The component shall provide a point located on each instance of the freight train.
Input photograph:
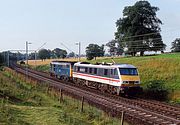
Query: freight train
(120, 79)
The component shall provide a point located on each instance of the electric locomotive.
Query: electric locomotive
(120, 79)
(62, 70)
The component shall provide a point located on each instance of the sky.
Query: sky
(60, 23)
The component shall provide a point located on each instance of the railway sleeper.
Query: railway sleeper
(166, 122)
(141, 113)
(154, 117)
(147, 115)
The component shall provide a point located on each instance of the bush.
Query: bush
(1, 59)
(156, 90)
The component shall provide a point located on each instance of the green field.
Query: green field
(164, 68)
(29, 103)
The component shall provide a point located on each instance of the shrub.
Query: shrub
(156, 90)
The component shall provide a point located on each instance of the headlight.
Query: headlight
(136, 82)
(125, 82)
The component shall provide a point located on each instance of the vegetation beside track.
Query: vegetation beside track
(164, 68)
(30, 103)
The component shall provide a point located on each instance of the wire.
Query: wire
(67, 48)
(147, 34)
(142, 40)
(41, 46)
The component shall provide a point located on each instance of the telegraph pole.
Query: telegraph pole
(8, 58)
(26, 52)
(27, 57)
(79, 44)
(79, 51)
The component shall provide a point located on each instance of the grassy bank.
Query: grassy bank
(29, 103)
(164, 68)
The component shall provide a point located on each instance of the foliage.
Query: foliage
(165, 67)
(32, 55)
(176, 45)
(1, 59)
(42, 68)
(20, 99)
(71, 54)
(113, 49)
(137, 20)
(59, 53)
(44, 54)
(94, 50)
(156, 90)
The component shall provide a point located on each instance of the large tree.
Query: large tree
(60, 53)
(176, 45)
(139, 29)
(114, 49)
(94, 50)
(71, 54)
(44, 54)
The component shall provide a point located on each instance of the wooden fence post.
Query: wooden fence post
(82, 103)
(61, 96)
(122, 117)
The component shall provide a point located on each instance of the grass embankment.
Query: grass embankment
(29, 103)
(164, 68)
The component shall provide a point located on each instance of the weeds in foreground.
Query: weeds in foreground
(29, 102)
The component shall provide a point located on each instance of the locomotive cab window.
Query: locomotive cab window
(115, 72)
(116, 76)
(128, 71)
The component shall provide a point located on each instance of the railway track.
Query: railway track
(138, 111)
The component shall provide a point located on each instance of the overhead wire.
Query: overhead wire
(67, 48)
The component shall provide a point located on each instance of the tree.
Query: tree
(71, 54)
(139, 29)
(60, 53)
(63, 54)
(94, 50)
(31, 56)
(1, 59)
(43, 54)
(113, 49)
(176, 45)
(120, 50)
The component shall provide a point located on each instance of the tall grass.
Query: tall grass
(164, 67)
(25, 101)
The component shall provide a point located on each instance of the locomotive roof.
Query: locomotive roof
(106, 66)
(65, 62)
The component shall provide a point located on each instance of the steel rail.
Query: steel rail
(114, 105)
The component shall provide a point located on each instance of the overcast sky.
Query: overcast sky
(71, 21)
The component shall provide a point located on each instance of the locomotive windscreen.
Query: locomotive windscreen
(128, 71)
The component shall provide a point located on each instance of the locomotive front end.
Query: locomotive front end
(130, 80)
